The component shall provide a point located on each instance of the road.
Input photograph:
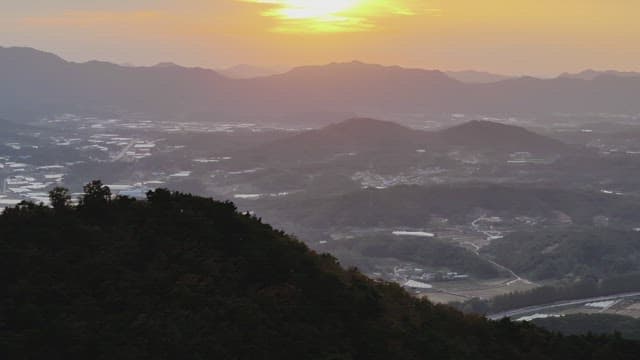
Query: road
(492, 235)
(122, 153)
(559, 304)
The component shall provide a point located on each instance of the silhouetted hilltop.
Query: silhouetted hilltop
(350, 136)
(363, 135)
(364, 132)
(25, 56)
(41, 83)
(179, 276)
(353, 86)
(483, 135)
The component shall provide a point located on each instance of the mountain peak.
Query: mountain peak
(29, 55)
(353, 135)
(483, 134)
(363, 123)
(371, 131)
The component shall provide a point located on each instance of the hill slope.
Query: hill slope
(363, 135)
(574, 253)
(488, 135)
(41, 83)
(579, 324)
(460, 203)
(190, 278)
(353, 135)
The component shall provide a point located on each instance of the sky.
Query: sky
(516, 37)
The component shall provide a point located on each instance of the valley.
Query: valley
(322, 180)
(420, 208)
(460, 206)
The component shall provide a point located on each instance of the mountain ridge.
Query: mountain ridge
(476, 77)
(246, 71)
(591, 74)
(44, 84)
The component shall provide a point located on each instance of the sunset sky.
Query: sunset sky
(542, 37)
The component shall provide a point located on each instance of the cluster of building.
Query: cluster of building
(25, 182)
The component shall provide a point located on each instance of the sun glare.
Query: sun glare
(325, 10)
(328, 16)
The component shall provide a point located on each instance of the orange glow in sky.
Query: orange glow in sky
(533, 37)
(331, 16)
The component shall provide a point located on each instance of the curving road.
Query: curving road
(559, 304)
(492, 234)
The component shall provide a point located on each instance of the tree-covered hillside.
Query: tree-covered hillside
(578, 324)
(579, 252)
(460, 203)
(435, 254)
(183, 277)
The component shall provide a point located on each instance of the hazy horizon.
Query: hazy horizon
(320, 179)
(281, 68)
(538, 38)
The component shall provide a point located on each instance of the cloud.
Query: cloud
(334, 16)
(140, 22)
(80, 19)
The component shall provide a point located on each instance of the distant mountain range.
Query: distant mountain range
(244, 71)
(36, 83)
(594, 74)
(476, 77)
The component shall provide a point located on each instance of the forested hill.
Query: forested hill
(183, 277)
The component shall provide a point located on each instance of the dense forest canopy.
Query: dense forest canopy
(549, 294)
(184, 277)
(579, 252)
(577, 324)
